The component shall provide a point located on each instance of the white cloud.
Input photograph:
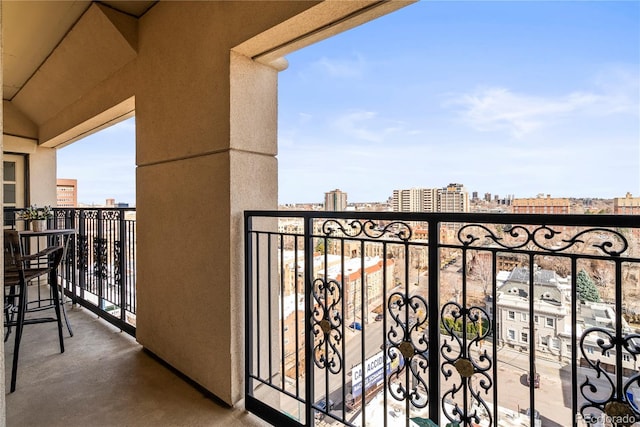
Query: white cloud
(358, 125)
(304, 117)
(500, 109)
(368, 126)
(342, 68)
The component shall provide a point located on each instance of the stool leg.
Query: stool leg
(22, 308)
(66, 319)
(9, 312)
(56, 306)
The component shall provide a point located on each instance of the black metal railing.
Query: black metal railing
(387, 319)
(99, 270)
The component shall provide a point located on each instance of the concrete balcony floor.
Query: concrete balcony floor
(104, 378)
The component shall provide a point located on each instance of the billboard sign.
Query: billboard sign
(374, 372)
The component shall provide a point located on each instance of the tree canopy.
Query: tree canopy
(587, 290)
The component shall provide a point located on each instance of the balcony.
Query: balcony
(104, 378)
(99, 269)
(376, 283)
(339, 315)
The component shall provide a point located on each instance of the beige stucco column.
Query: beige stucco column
(206, 145)
(3, 407)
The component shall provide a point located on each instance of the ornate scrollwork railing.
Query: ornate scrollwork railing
(611, 243)
(326, 322)
(368, 228)
(407, 341)
(466, 358)
(602, 393)
(441, 356)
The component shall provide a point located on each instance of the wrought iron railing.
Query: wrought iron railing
(99, 270)
(386, 319)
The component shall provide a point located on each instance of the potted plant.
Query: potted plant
(37, 216)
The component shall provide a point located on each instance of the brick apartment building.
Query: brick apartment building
(542, 205)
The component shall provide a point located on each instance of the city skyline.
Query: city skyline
(508, 98)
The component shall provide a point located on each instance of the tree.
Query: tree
(587, 290)
(602, 274)
(482, 267)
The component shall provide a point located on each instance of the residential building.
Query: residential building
(551, 307)
(627, 205)
(552, 319)
(361, 275)
(542, 205)
(452, 198)
(67, 193)
(600, 315)
(414, 200)
(335, 201)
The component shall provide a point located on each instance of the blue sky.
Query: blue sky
(505, 97)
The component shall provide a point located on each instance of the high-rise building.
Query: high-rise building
(335, 200)
(67, 193)
(542, 205)
(415, 200)
(453, 198)
(627, 205)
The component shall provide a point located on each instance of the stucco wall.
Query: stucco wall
(199, 76)
(206, 145)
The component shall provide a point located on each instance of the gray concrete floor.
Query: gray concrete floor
(104, 378)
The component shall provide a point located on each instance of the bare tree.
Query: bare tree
(602, 273)
(481, 268)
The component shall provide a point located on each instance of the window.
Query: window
(551, 322)
(524, 317)
(589, 349)
(626, 357)
(511, 315)
(524, 337)
(511, 334)
(535, 318)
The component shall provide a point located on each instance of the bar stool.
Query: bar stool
(19, 270)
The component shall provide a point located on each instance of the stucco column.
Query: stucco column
(3, 417)
(206, 144)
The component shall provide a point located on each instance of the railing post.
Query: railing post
(434, 319)
(248, 299)
(71, 269)
(308, 336)
(122, 263)
(99, 256)
(82, 251)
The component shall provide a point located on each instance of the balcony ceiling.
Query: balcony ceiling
(32, 29)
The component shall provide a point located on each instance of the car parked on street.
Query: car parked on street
(323, 405)
(356, 326)
(536, 380)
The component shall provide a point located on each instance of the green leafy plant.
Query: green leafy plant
(33, 212)
(587, 290)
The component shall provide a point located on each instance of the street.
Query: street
(552, 398)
